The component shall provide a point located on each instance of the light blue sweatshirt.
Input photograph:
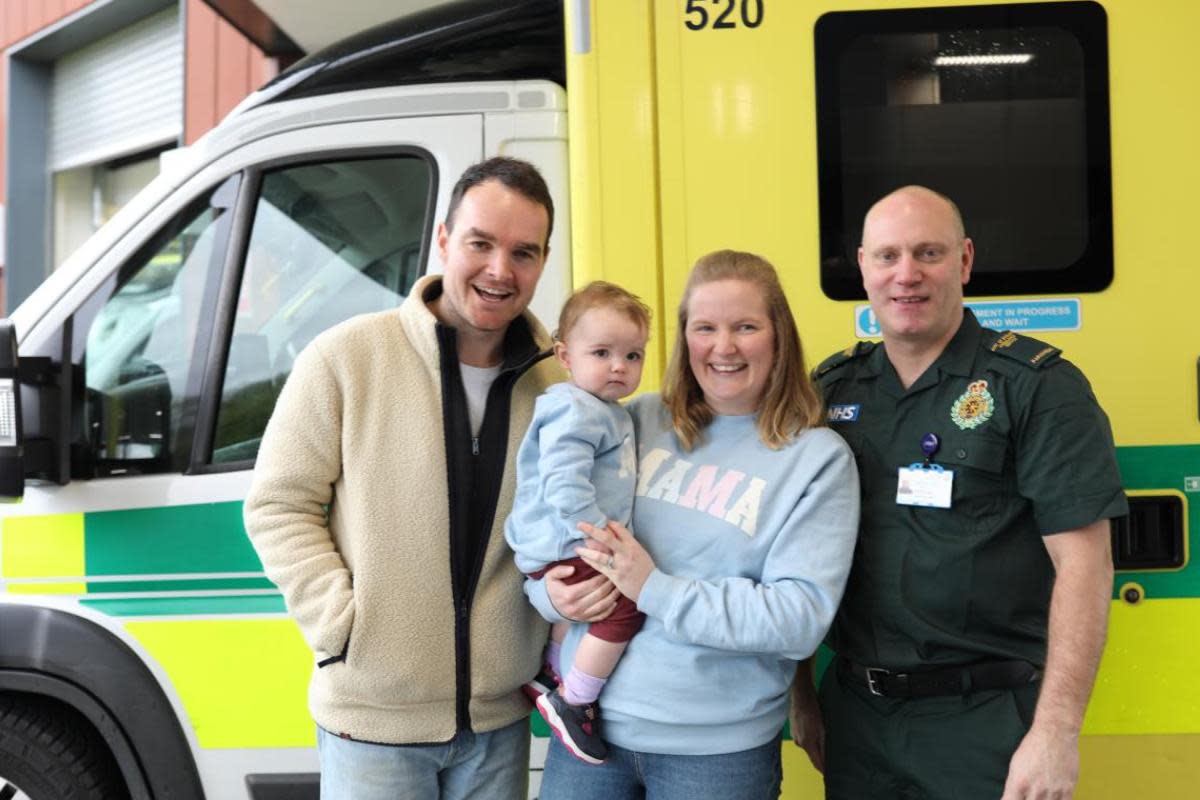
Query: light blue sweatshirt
(576, 464)
(752, 547)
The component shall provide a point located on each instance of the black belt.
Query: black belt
(951, 681)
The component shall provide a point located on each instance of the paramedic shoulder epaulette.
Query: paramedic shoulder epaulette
(1025, 350)
(849, 354)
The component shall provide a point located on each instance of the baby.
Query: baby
(578, 464)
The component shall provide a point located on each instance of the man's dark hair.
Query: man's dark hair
(520, 176)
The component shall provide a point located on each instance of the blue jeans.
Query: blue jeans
(471, 766)
(754, 774)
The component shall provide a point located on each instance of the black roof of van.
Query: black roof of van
(467, 40)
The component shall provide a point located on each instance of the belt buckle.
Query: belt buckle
(875, 676)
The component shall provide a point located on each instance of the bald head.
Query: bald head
(917, 195)
(915, 261)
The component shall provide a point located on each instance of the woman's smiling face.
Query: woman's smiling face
(731, 344)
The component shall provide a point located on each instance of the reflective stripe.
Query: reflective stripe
(46, 588)
(207, 604)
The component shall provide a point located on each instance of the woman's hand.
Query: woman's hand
(808, 727)
(626, 564)
(587, 601)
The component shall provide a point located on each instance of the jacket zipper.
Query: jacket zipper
(464, 603)
(463, 626)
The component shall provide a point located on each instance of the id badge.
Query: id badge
(929, 486)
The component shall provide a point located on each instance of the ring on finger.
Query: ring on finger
(611, 564)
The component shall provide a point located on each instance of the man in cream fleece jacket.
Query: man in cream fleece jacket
(378, 507)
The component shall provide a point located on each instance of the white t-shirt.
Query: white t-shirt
(477, 381)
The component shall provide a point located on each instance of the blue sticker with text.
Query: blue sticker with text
(1028, 315)
(1020, 316)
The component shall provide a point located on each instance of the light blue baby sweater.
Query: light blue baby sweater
(752, 547)
(576, 464)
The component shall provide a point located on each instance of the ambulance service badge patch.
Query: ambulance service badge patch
(974, 407)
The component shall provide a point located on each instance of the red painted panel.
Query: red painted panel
(20, 18)
(3, 167)
(57, 8)
(200, 88)
(262, 68)
(233, 68)
(15, 10)
(7, 24)
(35, 16)
(221, 68)
(3, 130)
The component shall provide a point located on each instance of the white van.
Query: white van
(138, 626)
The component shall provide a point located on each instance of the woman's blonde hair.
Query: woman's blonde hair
(790, 403)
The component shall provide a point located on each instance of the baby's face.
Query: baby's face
(604, 353)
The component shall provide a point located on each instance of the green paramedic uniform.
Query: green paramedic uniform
(934, 590)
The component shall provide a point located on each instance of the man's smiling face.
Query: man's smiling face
(914, 261)
(492, 257)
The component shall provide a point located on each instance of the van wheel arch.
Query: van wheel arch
(48, 750)
(56, 654)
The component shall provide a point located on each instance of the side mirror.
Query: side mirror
(12, 442)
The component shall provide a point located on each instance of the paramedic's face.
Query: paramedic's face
(915, 262)
(492, 257)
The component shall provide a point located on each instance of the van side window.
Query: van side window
(141, 344)
(328, 241)
(1003, 108)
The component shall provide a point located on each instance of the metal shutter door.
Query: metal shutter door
(118, 95)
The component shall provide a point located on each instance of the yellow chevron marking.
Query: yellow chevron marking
(244, 683)
(42, 546)
(1147, 679)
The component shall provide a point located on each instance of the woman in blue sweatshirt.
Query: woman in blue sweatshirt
(746, 512)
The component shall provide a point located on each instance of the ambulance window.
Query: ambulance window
(328, 241)
(1002, 108)
(138, 335)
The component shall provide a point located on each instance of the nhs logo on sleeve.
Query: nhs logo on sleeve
(843, 413)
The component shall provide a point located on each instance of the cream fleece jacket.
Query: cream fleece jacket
(358, 430)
